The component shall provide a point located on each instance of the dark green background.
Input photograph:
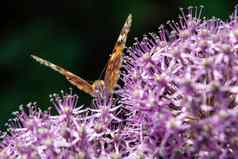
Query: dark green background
(76, 34)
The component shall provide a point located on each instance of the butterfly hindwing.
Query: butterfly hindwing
(114, 63)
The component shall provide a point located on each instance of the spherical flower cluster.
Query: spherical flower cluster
(180, 87)
(178, 101)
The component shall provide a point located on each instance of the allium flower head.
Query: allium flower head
(178, 101)
(178, 82)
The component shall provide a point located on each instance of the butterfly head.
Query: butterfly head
(98, 87)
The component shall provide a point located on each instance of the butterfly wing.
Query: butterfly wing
(114, 63)
(72, 78)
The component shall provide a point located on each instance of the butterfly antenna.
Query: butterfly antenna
(103, 70)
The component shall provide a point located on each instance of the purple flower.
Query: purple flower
(177, 83)
(75, 132)
(179, 100)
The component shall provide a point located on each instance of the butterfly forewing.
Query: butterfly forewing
(72, 78)
(114, 63)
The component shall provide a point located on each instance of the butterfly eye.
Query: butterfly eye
(99, 86)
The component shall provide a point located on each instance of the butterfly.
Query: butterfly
(112, 72)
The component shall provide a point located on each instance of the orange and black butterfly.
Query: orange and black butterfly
(112, 73)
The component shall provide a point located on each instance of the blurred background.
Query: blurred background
(76, 34)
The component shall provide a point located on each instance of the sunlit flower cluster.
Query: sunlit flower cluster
(178, 100)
